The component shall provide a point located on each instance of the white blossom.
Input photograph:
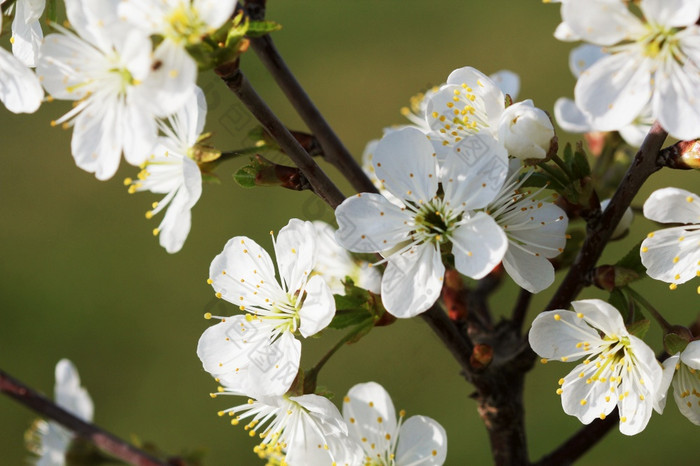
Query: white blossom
(120, 87)
(653, 61)
(256, 353)
(619, 369)
(685, 367)
(54, 439)
(297, 430)
(171, 170)
(334, 263)
(672, 255)
(526, 131)
(411, 236)
(371, 418)
(572, 119)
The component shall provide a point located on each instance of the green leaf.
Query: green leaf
(245, 177)
(674, 343)
(633, 261)
(261, 28)
(639, 328)
(568, 155)
(348, 318)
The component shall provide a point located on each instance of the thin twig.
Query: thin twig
(457, 343)
(322, 185)
(334, 150)
(101, 438)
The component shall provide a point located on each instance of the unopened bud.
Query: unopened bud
(691, 153)
(609, 277)
(526, 131)
(624, 223)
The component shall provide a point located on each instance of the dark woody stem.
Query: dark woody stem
(645, 163)
(321, 184)
(333, 149)
(100, 438)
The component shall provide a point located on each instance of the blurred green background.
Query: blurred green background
(82, 277)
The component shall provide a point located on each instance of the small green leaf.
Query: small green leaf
(245, 177)
(674, 343)
(348, 318)
(260, 28)
(633, 260)
(639, 328)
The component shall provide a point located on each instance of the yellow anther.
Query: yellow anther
(672, 286)
(557, 317)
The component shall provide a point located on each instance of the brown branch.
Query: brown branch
(645, 163)
(334, 150)
(321, 184)
(456, 342)
(92, 433)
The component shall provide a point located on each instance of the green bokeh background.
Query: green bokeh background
(81, 276)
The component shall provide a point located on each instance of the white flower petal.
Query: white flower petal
(672, 255)
(669, 369)
(675, 102)
(245, 358)
(508, 82)
(582, 57)
(295, 249)
(601, 315)
(239, 268)
(602, 22)
(26, 31)
(97, 138)
(585, 398)
(672, 205)
(370, 414)
(412, 281)
(560, 334)
(534, 273)
(474, 172)
(214, 12)
(570, 118)
(370, 223)
(614, 90)
(487, 90)
(405, 163)
(674, 13)
(691, 355)
(20, 90)
(478, 245)
(422, 441)
(564, 33)
(318, 308)
(68, 392)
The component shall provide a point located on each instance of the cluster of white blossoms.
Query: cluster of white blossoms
(51, 441)
(648, 68)
(257, 354)
(451, 186)
(129, 97)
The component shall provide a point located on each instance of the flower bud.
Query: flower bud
(625, 221)
(526, 131)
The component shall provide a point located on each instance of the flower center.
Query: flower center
(185, 24)
(661, 42)
(434, 223)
